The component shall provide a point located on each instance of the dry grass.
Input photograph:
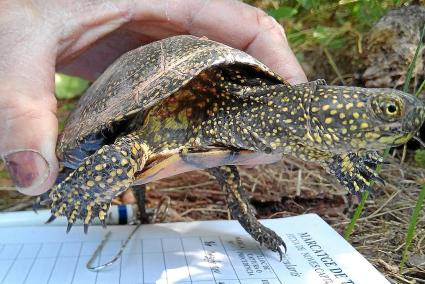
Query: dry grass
(292, 187)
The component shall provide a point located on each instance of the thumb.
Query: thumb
(28, 124)
(28, 135)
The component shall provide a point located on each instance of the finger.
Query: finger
(28, 127)
(27, 136)
(125, 24)
(253, 31)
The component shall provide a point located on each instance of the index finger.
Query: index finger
(228, 21)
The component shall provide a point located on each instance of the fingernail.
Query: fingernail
(27, 169)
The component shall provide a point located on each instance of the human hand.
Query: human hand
(82, 38)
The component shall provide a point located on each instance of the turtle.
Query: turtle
(186, 103)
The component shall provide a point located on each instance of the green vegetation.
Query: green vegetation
(412, 226)
(334, 28)
(330, 24)
(420, 201)
(67, 87)
(419, 157)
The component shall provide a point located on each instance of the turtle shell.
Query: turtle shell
(143, 77)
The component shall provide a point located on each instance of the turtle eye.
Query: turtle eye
(388, 109)
(391, 109)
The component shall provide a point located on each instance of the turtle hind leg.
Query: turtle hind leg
(240, 209)
(87, 192)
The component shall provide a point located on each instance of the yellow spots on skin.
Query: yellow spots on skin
(137, 146)
(360, 104)
(98, 167)
(371, 135)
(364, 125)
(119, 171)
(309, 137)
(333, 112)
(327, 137)
(130, 173)
(317, 137)
(124, 162)
(347, 165)
(356, 186)
(339, 106)
(98, 178)
(61, 209)
(80, 169)
(344, 130)
(353, 127)
(325, 107)
(102, 215)
(342, 115)
(88, 217)
(349, 105)
(358, 143)
(90, 183)
(328, 120)
(356, 115)
(315, 109)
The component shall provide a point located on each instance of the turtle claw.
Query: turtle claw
(281, 253)
(376, 178)
(355, 171)
(41, 200)
(44, 202)
(35, 206)
(103, 222)
(51, 219)
(68, 228)
(86, 228)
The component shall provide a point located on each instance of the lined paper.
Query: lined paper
(195, 252)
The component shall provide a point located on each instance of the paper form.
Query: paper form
(201, 252)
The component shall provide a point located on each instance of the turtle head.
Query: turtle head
(353, 119)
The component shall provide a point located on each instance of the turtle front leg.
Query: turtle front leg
(355, 171)
(240, 209)
(87, 192)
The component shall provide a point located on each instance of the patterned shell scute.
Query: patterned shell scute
(142, 77)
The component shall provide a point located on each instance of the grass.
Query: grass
(323, 23)
(416, 212)
(329, 26)
(412, 227)
(334, 28)
(420, 201)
